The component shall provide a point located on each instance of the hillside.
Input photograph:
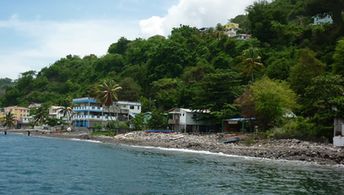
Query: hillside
(206, 69)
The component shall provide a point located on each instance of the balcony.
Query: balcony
(93, 117)
(87, 108)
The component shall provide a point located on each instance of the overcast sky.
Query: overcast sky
(36, 33)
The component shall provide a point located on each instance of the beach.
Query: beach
(283, 149)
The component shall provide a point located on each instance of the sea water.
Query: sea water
(36, 165)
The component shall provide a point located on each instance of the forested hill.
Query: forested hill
(4, 83)
(206, 69)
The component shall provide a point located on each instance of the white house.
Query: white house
(187, 120)
(322, 19)
(132, 108)
(55, 112)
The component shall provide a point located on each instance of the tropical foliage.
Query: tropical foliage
(206, 69)
(9, 120)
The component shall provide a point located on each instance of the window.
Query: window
(131, 107)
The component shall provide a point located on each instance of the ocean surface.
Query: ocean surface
(36, 165)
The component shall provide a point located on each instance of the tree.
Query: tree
(138, 122)
(324, 101)
(216, 92)
(338, 58)
(307, 68)
(251, 62)
(271, 101)
(107, 92)
(279, 63)
(67, 113)
(260, 19)
(120, 47)
(158, 120)
(40, 115)
(243, 22)
(167, 92)
(131, 91)
(9, 120)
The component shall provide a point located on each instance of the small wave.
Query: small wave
(297, 162)
(85, 140)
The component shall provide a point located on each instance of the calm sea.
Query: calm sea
(34, 165)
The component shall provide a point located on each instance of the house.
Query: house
(89, 113)
(187, 120)
(321, 19)
(34, 105)
(55, 112)
(231, 29)
(127, 109)
(243, 36)
(21, 115)
(238, 124)
(338, 138)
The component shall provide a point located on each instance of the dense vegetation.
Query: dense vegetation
(4, 83)
(289, 65)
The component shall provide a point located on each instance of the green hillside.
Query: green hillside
(289, 64)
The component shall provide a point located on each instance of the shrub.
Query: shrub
(299, 128)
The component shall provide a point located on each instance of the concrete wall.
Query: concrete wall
(338, 141)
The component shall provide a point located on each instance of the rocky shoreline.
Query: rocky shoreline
(287, 149)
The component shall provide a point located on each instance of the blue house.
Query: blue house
(89, 113)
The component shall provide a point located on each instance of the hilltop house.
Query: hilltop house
(89, 113)
(187, 120)
(321, 19)
(231, 29)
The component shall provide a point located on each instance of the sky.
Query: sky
(36, 33)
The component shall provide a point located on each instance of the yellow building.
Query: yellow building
(19, 113)
(231, 29)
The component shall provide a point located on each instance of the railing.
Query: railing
(88, 108)
(93, 117)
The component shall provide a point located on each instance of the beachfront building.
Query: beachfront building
(127, 110)
(21, 115)
(338, 138)
(187, 120)
(89, 113)
(322, 19)
(55, 112)
(238, 124)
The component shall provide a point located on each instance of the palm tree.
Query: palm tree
(251, 62)
(40, 115)
(9, 120)
(68, 113)
(106, 93)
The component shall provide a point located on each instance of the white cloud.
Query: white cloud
(51, 40)
(198, 13)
